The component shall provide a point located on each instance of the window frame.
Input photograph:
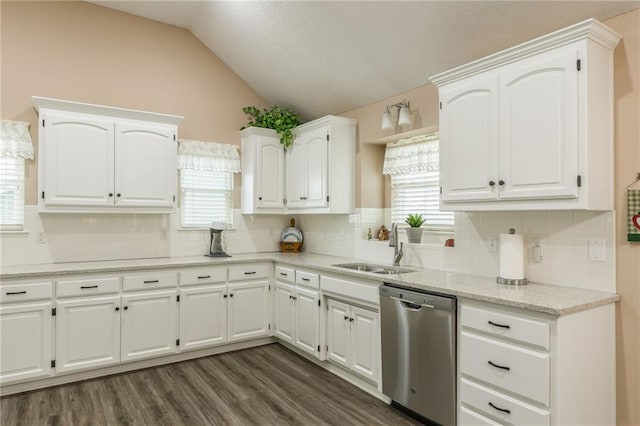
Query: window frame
(229, 192)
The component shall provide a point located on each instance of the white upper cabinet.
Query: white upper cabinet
(531, 127)
(102, 159)
(315, 175)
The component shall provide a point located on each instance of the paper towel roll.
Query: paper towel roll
(511, 256)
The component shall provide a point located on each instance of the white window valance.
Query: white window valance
(412, 155)
(15, 140)
(209, 156)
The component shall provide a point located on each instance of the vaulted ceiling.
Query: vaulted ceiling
(321, 57)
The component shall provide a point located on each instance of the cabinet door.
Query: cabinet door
(248, 310)
(307, 321)
(87, 333)
(469, 140)
(365, 348)
(146, 166)
(296, 174)
(77, 160)
(316, 147)
(149, 324)
(270, 174)
(539, 127)
(338, 332)
(284, 311)
(25, 341)
(203, 316)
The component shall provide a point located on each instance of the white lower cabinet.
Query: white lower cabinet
(25, 341)
(353, 338)
(248, 310)
(297, 317)
(87, 333)
(149, 324)
(203, 316)
(284, 312)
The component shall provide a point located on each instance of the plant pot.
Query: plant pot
(414, 235)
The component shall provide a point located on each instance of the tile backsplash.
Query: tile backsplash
(563, 235)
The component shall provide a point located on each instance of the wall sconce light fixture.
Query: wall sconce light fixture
(404, 117)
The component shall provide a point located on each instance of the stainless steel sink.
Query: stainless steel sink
(376, 269)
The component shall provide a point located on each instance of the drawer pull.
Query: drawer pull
(499, 325)
(502, 367)
(305, 279)
(83, 287)
(250, 273)
(283, 274)
(151, 281)
(504, 410)
(11, 293)
(202, 277)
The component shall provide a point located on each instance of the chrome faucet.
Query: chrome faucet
(393, 242)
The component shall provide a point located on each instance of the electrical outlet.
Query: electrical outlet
(492, 244)
(164, 233)
(41, 238)
(536, 251)
(597, 251)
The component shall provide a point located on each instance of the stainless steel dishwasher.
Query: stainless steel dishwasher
(419, 352)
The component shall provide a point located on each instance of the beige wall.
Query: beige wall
(82, 52)
(627, 164)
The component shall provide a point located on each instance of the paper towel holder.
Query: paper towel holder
(511, 281)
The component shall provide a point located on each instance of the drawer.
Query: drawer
(496, 404)
(149, 281)
(362, 291)
(471, 418)
(308, 279)
(249, 272)
(87, 286)
(285, 274)
(26, 292)
(207, 275)
(513, 368)
(508, 325)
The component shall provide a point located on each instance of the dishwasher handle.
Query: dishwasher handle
(410, 305)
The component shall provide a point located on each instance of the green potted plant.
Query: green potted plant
(414, 232)
(282, 120)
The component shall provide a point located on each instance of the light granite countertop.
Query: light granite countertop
(545, 298)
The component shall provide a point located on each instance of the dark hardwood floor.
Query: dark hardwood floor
(268, 385)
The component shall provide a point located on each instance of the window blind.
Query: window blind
(206, 196)
(12, 194)
(419, 193)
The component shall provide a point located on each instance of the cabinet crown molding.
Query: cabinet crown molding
(590, 29)
(132, 114)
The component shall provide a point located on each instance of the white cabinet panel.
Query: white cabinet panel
(269, 174)
(87, 333)
(248, 310)
(203, 316)
(307, 321)
(338, 333)
(474, 144)
(25, 341)
(79, 165)
(539, 127)
(284, 311)
(365, 348)
(297, 174)
(149, 326)
(317, 148)
(146, 166)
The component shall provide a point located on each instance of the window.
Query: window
(11, 194)
(206, 196)
(413, 165)
(206, 183)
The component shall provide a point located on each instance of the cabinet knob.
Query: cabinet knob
(126, 308)
(346, 318)
(231, 295)
(118, 194)
(111, 194)
(350, 319)
(500, 182)
(260, 198)
(492, 183)
(117, 308)
(303, 198)
(225, 296)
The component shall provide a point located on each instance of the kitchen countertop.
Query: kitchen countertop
(549, 299)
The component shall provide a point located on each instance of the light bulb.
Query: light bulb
(404, 117)
(387, 123)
